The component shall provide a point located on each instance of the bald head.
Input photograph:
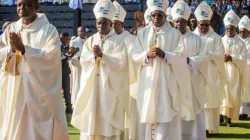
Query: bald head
(81, 32)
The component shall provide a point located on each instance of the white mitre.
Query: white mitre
(104, 9)
(180, 10)
(231, 19)
(120, 13)
(169, 15)
(203, 12)
(160, 5)
(147, 16)
(244, 23)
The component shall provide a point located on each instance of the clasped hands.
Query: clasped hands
(227, 58)
(97, 51)
(156, 51)
(16, 42)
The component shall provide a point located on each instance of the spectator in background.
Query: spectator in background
(245, 8)
(215, 20)
(221, 8)
(139, 16)
(192, 7)
(228, 5)
(237, 7)
(192, 23)
(66, 56)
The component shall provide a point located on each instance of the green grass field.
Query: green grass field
(239, 131)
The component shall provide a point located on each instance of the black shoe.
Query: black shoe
(244, 116)
(69, 110)
(229, 124)
(208, 135)
(241, 117)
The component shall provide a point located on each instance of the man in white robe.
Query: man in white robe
(244, 27)
(75, 65)
(31, 106)
(193, 123)
(215, 71)
(132, 116)
(235, 63)
(155, 54)
(103, 97)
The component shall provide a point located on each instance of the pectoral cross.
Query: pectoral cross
(229, 48)
(153, 46)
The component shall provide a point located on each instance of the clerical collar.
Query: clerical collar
(231, 40)
(103, 37)
(29, 25)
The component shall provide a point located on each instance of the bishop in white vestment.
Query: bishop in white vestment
(132, 116)
(235, 64)
(193, 122)
(155, 54)
(215, 71)
(31, 106)
(244, 27)
(104, 93)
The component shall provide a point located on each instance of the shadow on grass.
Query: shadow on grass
(74, 134)
(230, 136)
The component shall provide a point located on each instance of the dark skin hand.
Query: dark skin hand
(16, 42)
(228, 58)
(188, 60)
(97, 51)
(156, 51)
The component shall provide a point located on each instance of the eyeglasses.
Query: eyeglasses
(205, 25)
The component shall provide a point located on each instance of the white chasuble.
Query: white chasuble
(104, 93)
(162, 85)
(215, 71)
(236, 75)
(193, 123)
(246, 87)
(245, 107)
(196, 52)
(132, 117)
(31, 105)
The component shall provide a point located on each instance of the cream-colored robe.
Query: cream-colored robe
(159, 97)
(246, 88)
(215, 78)
(31, 105)
(236, 76)
(133, 116)
(76, 68)
(197, 54)
(193, 125)
(215, 69)
(104, 93)
(245, 107)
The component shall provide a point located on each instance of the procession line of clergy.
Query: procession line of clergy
(165, 83)
(180, 82)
